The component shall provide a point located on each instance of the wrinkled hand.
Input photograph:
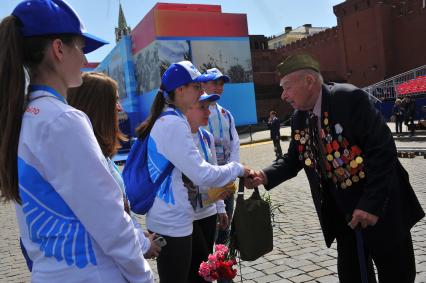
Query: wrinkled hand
(223, 221)
(155, 249)
(255, 179)
(364, 218)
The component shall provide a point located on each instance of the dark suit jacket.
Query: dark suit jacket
(398, 111)
(274, 127)
(410, 109)
(385, 190)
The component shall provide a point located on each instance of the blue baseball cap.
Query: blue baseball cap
(217, 74)
(182, 73)
(53, 17)
(209, 97)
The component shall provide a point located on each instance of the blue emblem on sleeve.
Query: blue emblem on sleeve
(51, 223)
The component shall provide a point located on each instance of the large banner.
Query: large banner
(230, 55)
(171, 33)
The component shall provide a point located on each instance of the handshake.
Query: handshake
(253, 178)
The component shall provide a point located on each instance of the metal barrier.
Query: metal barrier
(386, 89)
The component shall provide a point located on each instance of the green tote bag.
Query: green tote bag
(251, 231)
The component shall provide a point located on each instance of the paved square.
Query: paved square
(299, 254)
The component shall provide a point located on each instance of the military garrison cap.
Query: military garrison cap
(297, 62)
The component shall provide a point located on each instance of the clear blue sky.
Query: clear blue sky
(266, 17)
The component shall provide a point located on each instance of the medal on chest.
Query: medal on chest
(303, 146)
(344, 162)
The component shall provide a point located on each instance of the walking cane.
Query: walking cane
(360, 250)
(361, 255)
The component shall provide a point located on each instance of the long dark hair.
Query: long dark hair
(157, 107)
(16, 54)
(97, 97)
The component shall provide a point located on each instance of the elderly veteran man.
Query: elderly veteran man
(356, 179)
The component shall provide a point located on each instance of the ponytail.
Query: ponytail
(157, 107)
(16, 54)
(12, 98)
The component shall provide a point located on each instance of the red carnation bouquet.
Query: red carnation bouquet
(219, 265)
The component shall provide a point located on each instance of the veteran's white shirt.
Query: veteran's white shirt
(171, 140)
(72, 220)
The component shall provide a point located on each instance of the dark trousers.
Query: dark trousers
(277, 147)
(174, 260)
(398, 126)
(223, 235)
(202, 245)
(409, 121)
(392, 253)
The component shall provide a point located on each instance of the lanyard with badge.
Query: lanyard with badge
(203, 146)
(180, 114)
(206, 157)
(54, 93)
(220, 125)
(221, 152)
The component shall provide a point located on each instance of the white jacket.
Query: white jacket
(72, 220)
(205, 211)
(171, 140)
(222, 127)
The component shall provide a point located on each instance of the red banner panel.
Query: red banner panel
(187, 20)
(200, 24)
(144, 33)
(91, 65)
(188, 7)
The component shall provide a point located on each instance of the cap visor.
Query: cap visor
(209, 97)
(226, 79)
(204, 78)
(92, 43)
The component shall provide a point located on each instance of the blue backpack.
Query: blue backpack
(140, 189)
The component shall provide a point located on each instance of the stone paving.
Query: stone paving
(299, 254)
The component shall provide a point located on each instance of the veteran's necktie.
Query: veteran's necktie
(316, 147)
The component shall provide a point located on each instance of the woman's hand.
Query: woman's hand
(155, 249)
(223, 221)
(255, 179)
(226, 194)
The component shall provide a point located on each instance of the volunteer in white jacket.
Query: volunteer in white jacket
(206, 214)
(69, 208)
(222, 126)
(170, 139)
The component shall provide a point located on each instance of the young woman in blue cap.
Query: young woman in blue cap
(222, 126)
(207, 211)
(170, 139)
(69, 208)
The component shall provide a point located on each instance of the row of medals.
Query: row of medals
(344, 164)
